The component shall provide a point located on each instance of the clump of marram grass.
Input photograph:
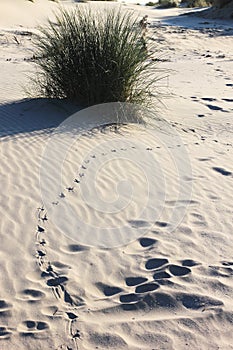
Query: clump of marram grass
(93, 58)
(199, 3)
(163, 4)
(151, 3)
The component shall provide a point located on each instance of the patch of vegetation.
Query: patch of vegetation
(151, 3)
(164, 4)
(199, 3)
(221, 3)
(93, 58)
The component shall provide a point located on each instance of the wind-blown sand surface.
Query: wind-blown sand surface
(165, 290)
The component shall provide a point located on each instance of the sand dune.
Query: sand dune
(168, 287)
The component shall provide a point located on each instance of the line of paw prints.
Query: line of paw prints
(146, 293)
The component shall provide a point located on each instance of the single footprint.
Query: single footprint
(209, 99)
(71, 316)
(204, 159)
(31, 295)
(134, 281)
(161, 224)
(74, 248)
(227, 99)
(214, 108)
(155, 263)
(222, 171)
(54, 282)
(147, 242)
(108, 290)
(179, 270)
(161, 275)
(129, 298)
(138, 223)
(189, 263)
(147, 287)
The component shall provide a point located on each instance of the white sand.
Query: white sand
(189, 269)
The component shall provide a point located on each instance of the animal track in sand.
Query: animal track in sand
(5, 308)
(209, 99)
(204, 159)
(147, 287)
(138, 223)
(161, 275)
(53, 271)
(189, 263)
(214, 108)
(227, 99)
(179, 270)
(155, 263)
(129, 298)
(74, 248)
(108, 290)
(57, 281)
(29, 327)
(31, 295)
(134, 281)
(227, 263)
(222, 171)
(147, 242)
(161, 224)
(5, 332)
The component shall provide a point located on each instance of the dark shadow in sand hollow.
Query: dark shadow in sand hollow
(40, 115)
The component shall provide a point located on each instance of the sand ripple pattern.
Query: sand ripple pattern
(120, 180)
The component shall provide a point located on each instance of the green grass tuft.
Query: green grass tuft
(93, 58)
(199, 3)
(151, 3)
(163, 4)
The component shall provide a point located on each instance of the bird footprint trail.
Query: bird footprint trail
(56, 282)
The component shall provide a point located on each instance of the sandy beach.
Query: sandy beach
(128, 245)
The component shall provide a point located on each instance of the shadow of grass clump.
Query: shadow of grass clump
(93, 58)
